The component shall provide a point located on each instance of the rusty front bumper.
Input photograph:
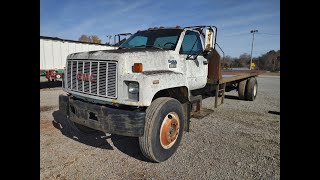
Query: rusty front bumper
(107, 119)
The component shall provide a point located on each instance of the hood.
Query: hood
(152, 59)
(134, 50)
(116, 54)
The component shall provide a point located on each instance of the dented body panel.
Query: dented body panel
(107, 119)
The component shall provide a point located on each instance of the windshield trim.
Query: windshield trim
(171, 33)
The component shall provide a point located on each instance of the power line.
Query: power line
(240, 34)
(270, 34)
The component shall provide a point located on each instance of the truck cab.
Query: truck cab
(144, 88)
(148, 62)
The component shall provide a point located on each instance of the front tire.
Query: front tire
(163, 129)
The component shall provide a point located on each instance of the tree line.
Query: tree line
(96, 39)
(90, 39)
(269, 61)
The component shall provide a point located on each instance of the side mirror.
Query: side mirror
(210, 39)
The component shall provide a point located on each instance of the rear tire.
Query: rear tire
(251, 89)
(241, 89)
(163, 129)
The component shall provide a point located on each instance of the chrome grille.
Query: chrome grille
(97, 78)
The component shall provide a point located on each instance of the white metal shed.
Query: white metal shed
(54, 51)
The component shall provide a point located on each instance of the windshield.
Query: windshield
(160, 38)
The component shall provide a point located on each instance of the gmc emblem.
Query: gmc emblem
(86, 77)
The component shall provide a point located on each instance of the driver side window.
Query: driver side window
(191, 43)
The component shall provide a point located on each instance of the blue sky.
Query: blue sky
(69, 19)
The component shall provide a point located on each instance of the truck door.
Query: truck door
(197, 69)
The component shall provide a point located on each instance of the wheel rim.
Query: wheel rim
(255, 90)
(169, 130)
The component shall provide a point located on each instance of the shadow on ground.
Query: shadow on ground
(98, 139)
(47, 84)
(231, 97)
(274, 112)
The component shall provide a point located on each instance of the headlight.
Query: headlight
(133, 91)
(133, 87)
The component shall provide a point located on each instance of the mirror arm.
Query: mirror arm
(206, 52)
(198, 54)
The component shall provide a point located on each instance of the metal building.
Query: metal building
(54, 51)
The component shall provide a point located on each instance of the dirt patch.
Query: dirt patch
(46, 125)
(46, 108)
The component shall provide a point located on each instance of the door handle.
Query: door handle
(205, 62)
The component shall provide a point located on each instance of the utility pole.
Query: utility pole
(109, 36)
(252, 31)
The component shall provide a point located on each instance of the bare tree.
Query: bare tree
(227, 61)
(269, 61)
(90, 39)
(95, 39)
(84, 38)
(244, 59)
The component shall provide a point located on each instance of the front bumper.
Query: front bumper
(107, 119)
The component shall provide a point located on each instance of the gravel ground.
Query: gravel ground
(239, 140)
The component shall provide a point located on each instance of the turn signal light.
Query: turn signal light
(137, 67)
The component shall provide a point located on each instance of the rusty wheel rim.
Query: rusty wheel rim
(169, 130)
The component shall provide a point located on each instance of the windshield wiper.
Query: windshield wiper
(151, 46)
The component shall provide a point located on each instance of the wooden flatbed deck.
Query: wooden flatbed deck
(234, 75)
(230, 76)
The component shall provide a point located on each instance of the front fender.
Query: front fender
(151, 82)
